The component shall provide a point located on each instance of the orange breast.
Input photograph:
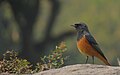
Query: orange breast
(85, 48)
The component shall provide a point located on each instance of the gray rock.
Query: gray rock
(83, 69)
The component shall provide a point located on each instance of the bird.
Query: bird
(87, 45)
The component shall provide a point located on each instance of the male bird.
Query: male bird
(87, 44)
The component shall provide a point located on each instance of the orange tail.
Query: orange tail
(103, 59)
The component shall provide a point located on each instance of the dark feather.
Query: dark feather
(94, 44)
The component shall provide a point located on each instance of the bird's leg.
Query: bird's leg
(86, 60)
(93, 59)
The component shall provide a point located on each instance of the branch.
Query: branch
(54, 12)
(1, 1)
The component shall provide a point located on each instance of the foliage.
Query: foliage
(53, 60)
(12, 64)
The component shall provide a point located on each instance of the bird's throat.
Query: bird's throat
(79, 35)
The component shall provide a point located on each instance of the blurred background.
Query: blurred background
(35, 27)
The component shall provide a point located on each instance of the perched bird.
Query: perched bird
(87, 44)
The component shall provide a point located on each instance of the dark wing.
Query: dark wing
(94, 44)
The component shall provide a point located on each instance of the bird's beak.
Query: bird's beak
(73, 25)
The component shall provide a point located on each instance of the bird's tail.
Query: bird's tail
(104, 60)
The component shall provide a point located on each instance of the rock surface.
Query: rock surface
(83, 69)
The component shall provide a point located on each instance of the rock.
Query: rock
(83, 69)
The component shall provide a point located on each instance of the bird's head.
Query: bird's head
(80, 27)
